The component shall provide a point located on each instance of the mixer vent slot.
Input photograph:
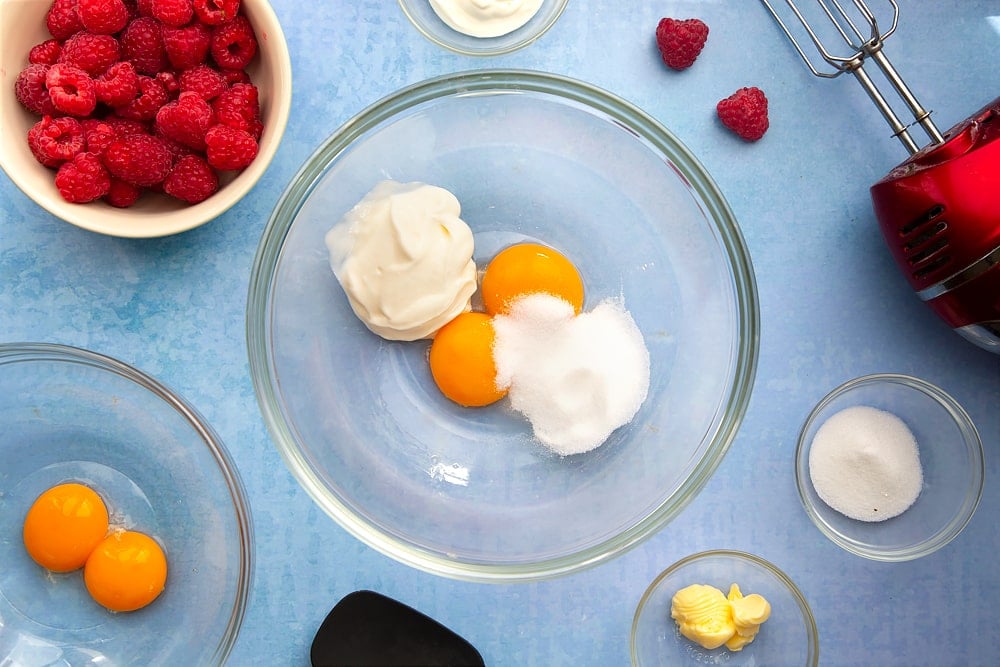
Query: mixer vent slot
(924, 242)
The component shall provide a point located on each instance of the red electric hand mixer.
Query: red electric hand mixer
(939, 210)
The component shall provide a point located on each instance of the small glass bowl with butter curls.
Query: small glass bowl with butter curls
(742, 582)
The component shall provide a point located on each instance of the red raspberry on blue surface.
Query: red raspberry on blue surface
(117, 86)
(173, 12)
(152, 95)
(83, 179)
(142, 44)
(228, 148)
(62, 19)
(139, 159)
(680, 41)
(102, 17)
(92, 53)
(71, 89)
(745, 113)
(187, 46)
(30, 90)
(46, 53)
(192, 180)
(55, 140)
(216, 12)
(233, 44)
(185, 120)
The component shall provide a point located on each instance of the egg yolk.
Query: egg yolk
(126, 571)
(64, 525)
(461, 360)
(529, 268)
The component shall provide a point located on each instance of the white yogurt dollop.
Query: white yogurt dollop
(404, 258)
(485, 18)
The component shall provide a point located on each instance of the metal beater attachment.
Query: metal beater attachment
(859, 28)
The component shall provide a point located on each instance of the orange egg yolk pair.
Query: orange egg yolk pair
(461, 355)
(67, 528)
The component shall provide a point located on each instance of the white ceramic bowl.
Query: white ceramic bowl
(73, 415)
(22, 25)
(951, 456)
(425, 19)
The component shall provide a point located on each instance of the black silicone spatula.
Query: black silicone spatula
(366, 629)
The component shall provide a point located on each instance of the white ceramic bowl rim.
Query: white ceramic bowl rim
(14, 353)
(623, 113)
(974, 448)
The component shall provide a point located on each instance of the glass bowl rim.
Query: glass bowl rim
(970, 438)
(486, 51)
(28, 352)
(480, 82)
(812, 631)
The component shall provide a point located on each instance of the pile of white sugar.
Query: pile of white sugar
(576, 378)
(865, 464)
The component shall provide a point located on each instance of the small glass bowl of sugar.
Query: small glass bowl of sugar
(889, 467)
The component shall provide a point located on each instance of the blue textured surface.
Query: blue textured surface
(833, 307)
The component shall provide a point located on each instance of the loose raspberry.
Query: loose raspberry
(83, 179)
(235, 76)
(118, 86)
(30, 90)
(204, 80)
(185, 120)
(125, 127)
(142, 44)
(173, 12)
(122, 194)
(71, 89)
(239, 107)
(745, 113)
(187, 46)
(139, 159)
(680, 41)
(97, 135)
(92, 53)
(152, 95)
(229, 148)
(102, 17)
(46, 53)
(62, 19)
(216, 12)
(55, 140)
(191, 180)
(233, 44)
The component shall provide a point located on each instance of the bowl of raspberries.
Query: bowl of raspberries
(140, 118)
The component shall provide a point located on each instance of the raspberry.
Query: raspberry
(91, 53)
(216, 12)
(97, 135)
(144, 7)
(152, 95)
(125, 127)
(228, 148)
(191, 180)
(745, 113)
(239, 107)
(55, 140)
(139, 159)
(176, 148)
(680, 41)
(235, 76)
(173, 12)
(62, 19)
(46, 53)
(118, 86)
(233, 44)
(171, 82)
(187, 46)
(83, 179)
(71, 89)
(142, 44)
(102, 17)
(185, 120)
(121, 194)
(30, 90)
(204, 80)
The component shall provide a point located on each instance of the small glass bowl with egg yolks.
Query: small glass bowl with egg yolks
(72, 416)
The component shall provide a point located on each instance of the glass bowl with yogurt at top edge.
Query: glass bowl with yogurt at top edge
(788, 637)
(951, 459)
(467, 492)
(72, 415)
(430, 25)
